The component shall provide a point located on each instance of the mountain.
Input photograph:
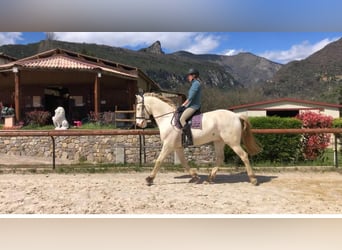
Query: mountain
(229, 80)
(318, 77)
(155, 48)
(168, 70)
(246, 68)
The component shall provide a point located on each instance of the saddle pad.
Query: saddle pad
(196, 121)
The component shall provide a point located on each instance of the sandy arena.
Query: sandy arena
(295, 192)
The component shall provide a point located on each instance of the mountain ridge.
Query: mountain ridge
(231, 80)
(216, 70)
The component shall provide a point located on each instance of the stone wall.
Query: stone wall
(100, 149)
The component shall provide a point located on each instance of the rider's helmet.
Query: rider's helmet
(193, 71)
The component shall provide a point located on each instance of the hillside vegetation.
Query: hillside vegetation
(227, 80)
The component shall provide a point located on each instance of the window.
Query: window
(283, 113)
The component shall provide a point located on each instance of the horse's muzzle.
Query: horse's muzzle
(141, 124)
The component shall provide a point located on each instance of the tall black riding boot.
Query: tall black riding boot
(186, 135)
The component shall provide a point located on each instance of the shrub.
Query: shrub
(337, 123)
(279, 148)
(313, 145)
(37, 117)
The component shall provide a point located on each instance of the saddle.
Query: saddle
(195, 120)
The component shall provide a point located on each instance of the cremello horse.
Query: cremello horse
(219, 126)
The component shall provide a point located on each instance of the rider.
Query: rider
(190, 105)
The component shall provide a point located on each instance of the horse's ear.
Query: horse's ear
(138, 97)
(141, 92)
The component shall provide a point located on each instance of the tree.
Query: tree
(50, 36)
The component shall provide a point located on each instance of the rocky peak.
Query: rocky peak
(155, 48)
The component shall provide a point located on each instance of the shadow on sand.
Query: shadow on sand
(231, 178)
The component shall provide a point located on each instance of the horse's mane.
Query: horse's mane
(162, 98)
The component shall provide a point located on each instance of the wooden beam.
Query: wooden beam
(91, 132)
(17, 96)
(97, 94)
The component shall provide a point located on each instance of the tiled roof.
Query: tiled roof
(61, 59)
(57, 62)
(66, 60)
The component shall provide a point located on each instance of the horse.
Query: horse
(219, 126)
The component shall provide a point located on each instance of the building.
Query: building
(287, 107)
(6, 58)
(78, 82)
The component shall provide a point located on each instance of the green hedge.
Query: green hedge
(337, 123)
(277, 148)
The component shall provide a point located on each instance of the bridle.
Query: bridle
(144, 110)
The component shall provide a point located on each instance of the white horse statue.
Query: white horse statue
(59, 120)
(219, 126)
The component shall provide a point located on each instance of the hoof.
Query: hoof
(211, 178)
(212, 175)
(254, 181)
(208, 182)
(149, 180)
(195, 179)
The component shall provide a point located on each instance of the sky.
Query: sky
(279, 30)
(175, 15)
(281, 47)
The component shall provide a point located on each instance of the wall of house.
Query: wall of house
(335, 113)
(251, 113)
(117, 92)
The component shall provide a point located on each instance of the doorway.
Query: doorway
(55, 97)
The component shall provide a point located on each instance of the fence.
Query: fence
(141, 133)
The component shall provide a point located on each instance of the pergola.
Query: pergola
(99, 84)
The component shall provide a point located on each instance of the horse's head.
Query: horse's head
(141, 113)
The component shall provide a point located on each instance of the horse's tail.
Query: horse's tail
(247, 136)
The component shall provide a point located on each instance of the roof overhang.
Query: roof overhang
(62, 60)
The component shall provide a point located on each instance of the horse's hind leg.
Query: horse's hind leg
(184, 162)
(244, 157)
(219, 152)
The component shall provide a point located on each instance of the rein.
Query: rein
(172, 112)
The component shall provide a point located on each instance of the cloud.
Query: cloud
(232, 52)
(203, 44)
(10, 37)
(195, 42)
(297, 51)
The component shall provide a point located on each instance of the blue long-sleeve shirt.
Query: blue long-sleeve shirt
(194, 95)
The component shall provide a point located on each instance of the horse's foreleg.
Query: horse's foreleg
(244, 157)
(184, 162)
(163, 154)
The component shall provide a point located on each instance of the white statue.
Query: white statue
(59, 120)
